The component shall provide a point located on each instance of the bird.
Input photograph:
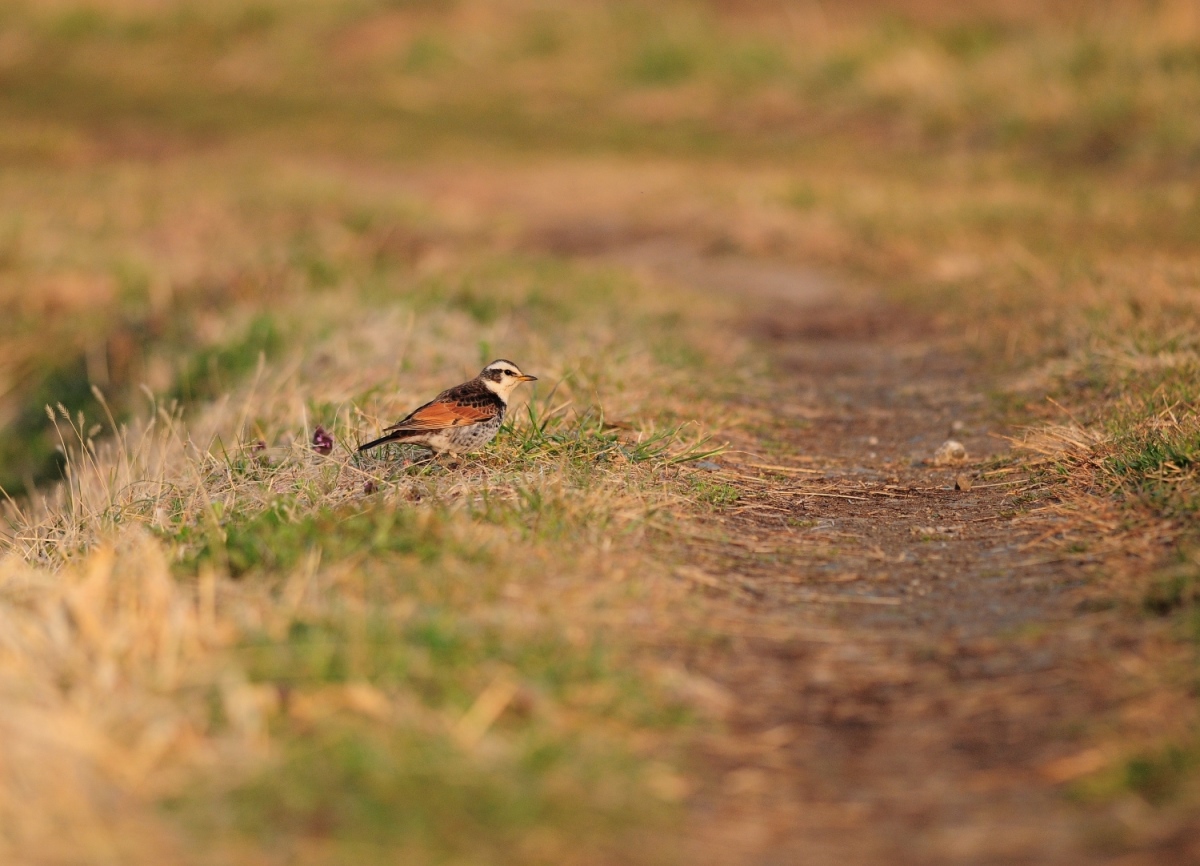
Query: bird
(460, 419)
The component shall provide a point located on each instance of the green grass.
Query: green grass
(339, 788)
(588, 438)
(1146, 453)
(1154, 446)
(1174, 587)
(214, 370)
(712, 492)
(371, 788)
(30, 453)
(1159, 777)
(660, 63)
(445, 659)
(278, 538)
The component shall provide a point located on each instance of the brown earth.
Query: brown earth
(910, 673)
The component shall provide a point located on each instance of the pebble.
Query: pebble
(962, 481)
(707, 465)
(951, 451)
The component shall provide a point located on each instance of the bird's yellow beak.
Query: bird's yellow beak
(524, 378)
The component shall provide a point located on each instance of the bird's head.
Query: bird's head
(501, 377)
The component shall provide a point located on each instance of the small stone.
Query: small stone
(951, 451)
(370, 487)
(962, 481)
(707, 466)
(872, 440)
(322, 441)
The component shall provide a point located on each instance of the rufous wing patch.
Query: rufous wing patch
(439, 416)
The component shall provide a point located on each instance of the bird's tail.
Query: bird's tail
(394, 436)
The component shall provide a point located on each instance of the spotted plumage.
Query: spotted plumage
(460, 419)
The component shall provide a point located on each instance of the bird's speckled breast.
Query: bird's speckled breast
(474, 436)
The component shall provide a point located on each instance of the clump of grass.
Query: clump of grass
(714, 493)
(1154, 457)
(1157, 452)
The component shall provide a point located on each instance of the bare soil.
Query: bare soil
(914, 673)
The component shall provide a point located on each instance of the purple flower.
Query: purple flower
(322, 441)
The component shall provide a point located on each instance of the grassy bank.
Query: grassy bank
(300, 644)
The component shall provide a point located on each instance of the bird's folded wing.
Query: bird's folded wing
(438, 416)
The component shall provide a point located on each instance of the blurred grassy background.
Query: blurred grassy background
(1061, 84)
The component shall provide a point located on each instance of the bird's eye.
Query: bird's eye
(509, 373)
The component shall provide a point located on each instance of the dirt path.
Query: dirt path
(913, 676)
